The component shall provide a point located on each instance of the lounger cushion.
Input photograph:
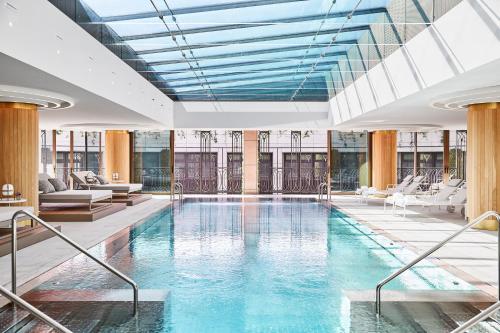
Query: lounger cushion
(119, 187)
(77, 195)
(58, 184)
(45, 186)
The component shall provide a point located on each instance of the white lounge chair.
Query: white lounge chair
(449, 196)
(393, 188)
(80, 179)
(410, 189)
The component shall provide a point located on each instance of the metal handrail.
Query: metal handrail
(34, 311)
(180, 191)
(322, 186)
(70, 242)
(424, 255)
(477, 318)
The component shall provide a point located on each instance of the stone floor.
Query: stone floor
(473, 256)
(39, 258)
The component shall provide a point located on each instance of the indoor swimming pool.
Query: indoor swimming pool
(251, 265)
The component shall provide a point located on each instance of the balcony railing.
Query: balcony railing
(432, 175)
(345, 179)
(290, 180)
(153, 179)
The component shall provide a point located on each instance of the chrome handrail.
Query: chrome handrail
(180, 191)
(322, 186)
(70, 242)
(34, 311)
(424, 255)
(477, 318)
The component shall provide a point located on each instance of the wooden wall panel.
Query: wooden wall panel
(483, 157)
(117, 154)
(250, 162)
(384, 158)
(19, 149)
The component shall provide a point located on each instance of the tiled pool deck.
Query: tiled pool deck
(472, 256)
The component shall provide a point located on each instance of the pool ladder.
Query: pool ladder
(11, 295)
(179, 189)
(478, 318)
(323, 190)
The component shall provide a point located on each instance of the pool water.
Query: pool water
(255, 265)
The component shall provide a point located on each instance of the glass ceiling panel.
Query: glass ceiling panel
(242, 44)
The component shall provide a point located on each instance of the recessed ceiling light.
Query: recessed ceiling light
(58, 51)
(113, 82)
(11, 24)
(90, 69)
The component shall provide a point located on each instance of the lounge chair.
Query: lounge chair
(80, 179)
(450, 196)
(394, 188)
(410, 189)
(6, 214)
(75, 196)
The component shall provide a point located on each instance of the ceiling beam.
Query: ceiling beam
(258, 52)
(197, 9)
(257, 39)
(328, 63)
(234, 26)
(263, 77)
(259, 62)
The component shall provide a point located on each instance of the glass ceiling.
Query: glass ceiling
(274, 50)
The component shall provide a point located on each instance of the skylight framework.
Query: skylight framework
(248, 50)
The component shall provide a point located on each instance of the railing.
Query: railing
(322, 189)
(70, 242)
(155, 179)
(291, 180)
(427, 253)
(345, 179)
(34, 311)
(432, 175)
(180, 191)
(477, 318)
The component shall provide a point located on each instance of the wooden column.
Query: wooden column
(19, 149)
(54, 152)
(329, 159)
(446, 156)
(118, 154)
(172, 160)
(483, 158)
(384, 158)
(250, 162)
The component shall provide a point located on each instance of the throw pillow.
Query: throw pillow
(102, 180)
(45, 186)
(58, 184)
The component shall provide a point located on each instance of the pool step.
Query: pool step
(88, 311)
(418, 317)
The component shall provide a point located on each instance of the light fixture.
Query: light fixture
(11, 24)
(7, 190)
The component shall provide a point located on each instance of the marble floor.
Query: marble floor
(473, 256)
(39, 258)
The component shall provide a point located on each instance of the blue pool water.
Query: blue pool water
(258, 265)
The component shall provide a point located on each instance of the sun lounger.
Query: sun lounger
(80, 178)
(393, 188)
(449, 196)
(75, 196)
(410, 189)
(7, 212)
